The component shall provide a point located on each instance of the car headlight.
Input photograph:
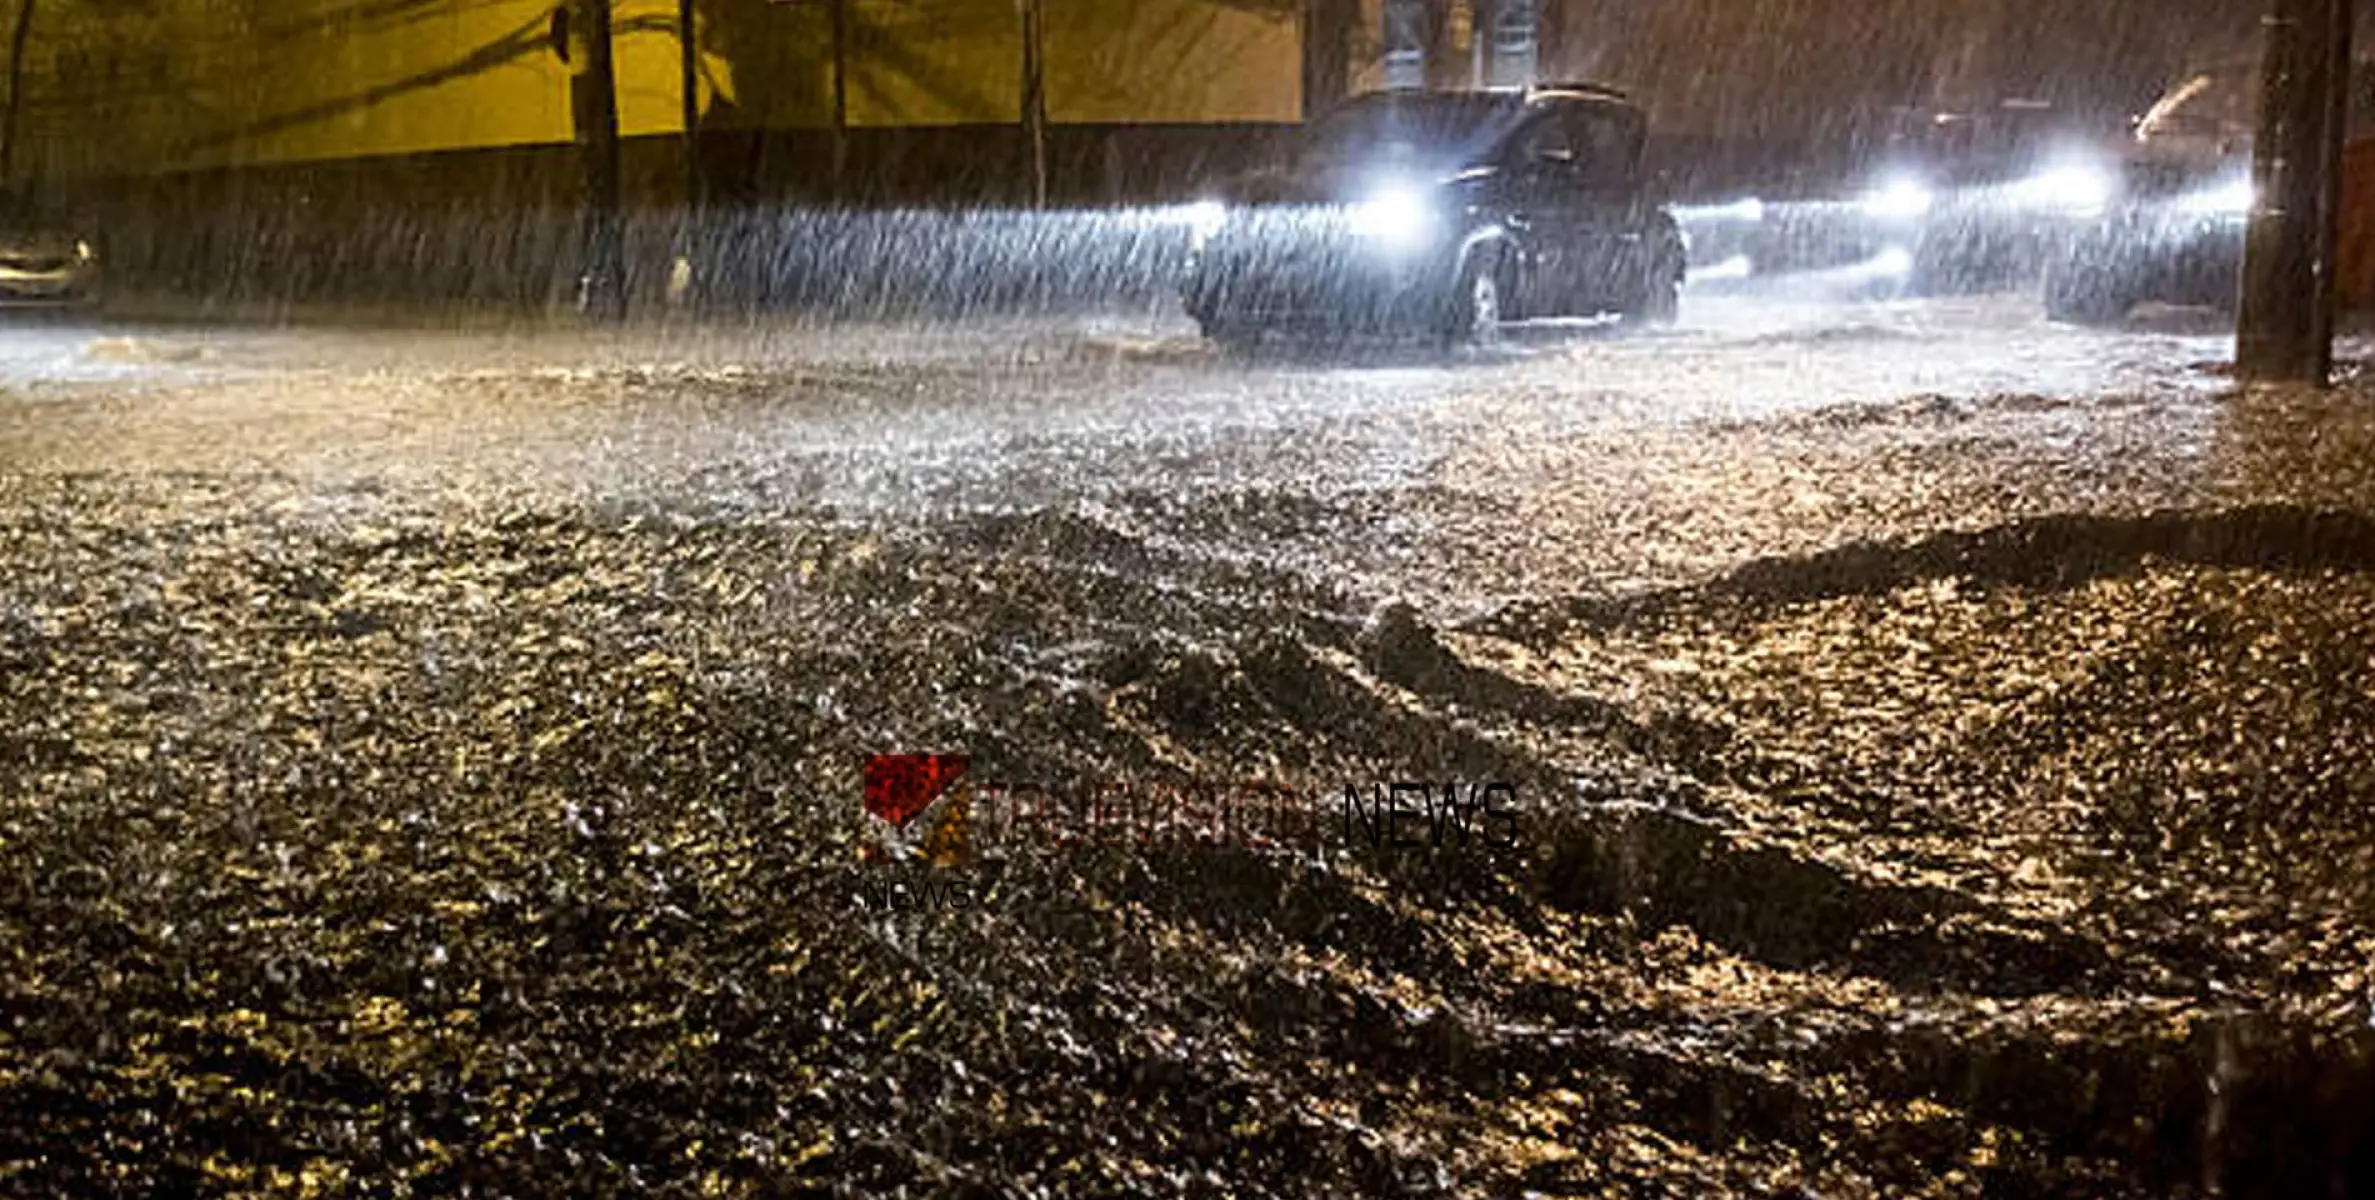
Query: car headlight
(1898, 199)
(1750, 211)
(1204, 220)
(2072, 189)
(1396, 217)
(83, 252)
(2234, 198)
(1739, 266)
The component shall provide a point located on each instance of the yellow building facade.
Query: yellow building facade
(128, 87)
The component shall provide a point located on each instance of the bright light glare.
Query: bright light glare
(1746, 212)
(83, 251)
(1206, 216)
(1398, 216)
(1894, 262)
(2072, 189)
(1898, 198)
(2230, 199)
(1203, 219)
(1736, 267)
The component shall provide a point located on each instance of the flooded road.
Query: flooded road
(1939, 740)
(1660, 458)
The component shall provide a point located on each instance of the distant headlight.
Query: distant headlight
(1898, 199)
(1397, 217)
(1750, 211)
(1204, 219)
(2079, 190)
(1739, 266)
(2233, 198)
(83, 252)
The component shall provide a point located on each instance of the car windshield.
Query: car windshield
(1987, 134)
(1431, 130)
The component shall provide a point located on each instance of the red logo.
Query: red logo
(899, 787)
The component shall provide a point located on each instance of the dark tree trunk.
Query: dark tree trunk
(16, 90)
(840, 16)
(688, 65)
(1328, 28)
(1447, 64)
(593, 96)
(1550, 32)
(1035, 100)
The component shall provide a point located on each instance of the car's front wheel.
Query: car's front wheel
(1476, 309)
(1660, 302)
(1232, 337)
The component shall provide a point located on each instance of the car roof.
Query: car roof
(1513, 97)
(1447, 96)
(1582, 90)
(1515, 104)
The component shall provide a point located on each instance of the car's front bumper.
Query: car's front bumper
(1955, 245)
(2166, 255)
(1786, 238)
(69, 282)
(1285, 271)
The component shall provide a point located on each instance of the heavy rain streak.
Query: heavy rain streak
(1046, 598)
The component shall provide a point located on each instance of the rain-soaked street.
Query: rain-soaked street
(432, 756)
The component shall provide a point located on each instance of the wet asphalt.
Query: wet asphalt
(430, 758)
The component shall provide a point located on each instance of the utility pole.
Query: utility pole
(1035, 98)
(2285, 322)
(16, 89)
(593, 107)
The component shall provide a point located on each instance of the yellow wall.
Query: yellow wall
(117, 87)
(1172, 62)
(953, 62)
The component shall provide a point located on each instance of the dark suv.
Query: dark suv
(1446, 214)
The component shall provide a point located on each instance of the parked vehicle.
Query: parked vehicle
(1951, 201)
(43, 262)
(1981, 199)
(2174, 232)
(1446, 214)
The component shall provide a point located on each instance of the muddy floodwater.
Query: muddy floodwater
(1938, 750)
